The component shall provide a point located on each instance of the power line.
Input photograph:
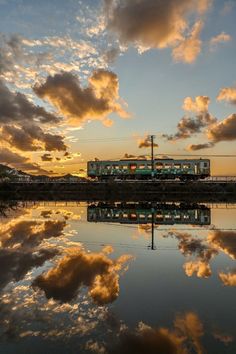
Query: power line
(203, 155)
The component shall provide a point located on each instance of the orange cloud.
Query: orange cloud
(198, 105)
(227, 94)
(189, 48)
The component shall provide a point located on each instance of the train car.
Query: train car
(184, 169)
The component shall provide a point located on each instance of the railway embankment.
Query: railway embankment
(191, 191)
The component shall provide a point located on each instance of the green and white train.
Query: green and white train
(187, 169)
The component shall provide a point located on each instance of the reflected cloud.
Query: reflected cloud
(200, 268)
(17, 263)
(223, 337)
(185, 336)
(28, 234)
(228, 279)
(79, 268)
(204, 251)
(192, 246)
(224, 241)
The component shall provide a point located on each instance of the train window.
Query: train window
(91, 165)
(205, 164)
(168, 165)
(116, 167)
(141, 167)
(124, 167)
(177, 165)
(108, 167)
(133, 166)
(149, 166)
(159, 165)
(186, 165)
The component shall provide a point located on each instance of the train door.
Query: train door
(132, 168)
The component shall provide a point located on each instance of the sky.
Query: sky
(92, 79)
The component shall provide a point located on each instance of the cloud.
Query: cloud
(46, 157)
(78, 268)
(227, 94)
(146, 142)
(228, 279)
(129, 156)
(15, 108)
(20, 121)
(96, 101)
(224, 130)
(196, 147)
(111, 54)
(189, 48)
(189, 125)
(19, 162)
(30, 137)
(199, 105)
(220, 38)
(217, 131)
(152, 24)
(30, 167)
(8, 156)
(23, 60)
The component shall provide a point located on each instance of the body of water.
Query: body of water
(117, 278)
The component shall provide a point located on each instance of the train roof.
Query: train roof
(149, 160)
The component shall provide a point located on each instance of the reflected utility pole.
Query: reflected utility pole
(152, 246)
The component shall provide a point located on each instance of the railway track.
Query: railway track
(213, 179)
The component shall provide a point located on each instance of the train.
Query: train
(143, 169)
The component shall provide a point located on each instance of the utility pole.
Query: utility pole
(152, 152)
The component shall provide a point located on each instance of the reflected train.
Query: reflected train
(146, 213)
(136, 169)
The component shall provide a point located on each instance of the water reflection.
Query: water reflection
(77, 268)
(143, 213)
(79, 278)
